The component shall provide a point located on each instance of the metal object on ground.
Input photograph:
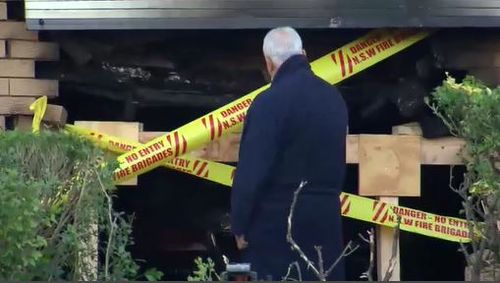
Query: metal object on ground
(239, 272)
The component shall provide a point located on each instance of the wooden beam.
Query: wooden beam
(3, 49)
(16, 30)
(55, 114)
(410, 129)
(471, 59)
(42, 51)
(441, 151)
(17, 68)
(4, 86)
(33, 87)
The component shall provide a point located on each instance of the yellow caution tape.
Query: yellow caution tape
(333, 67)
(352, 206)
(38, 107)
(205, 169)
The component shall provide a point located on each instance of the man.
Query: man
(294, 131)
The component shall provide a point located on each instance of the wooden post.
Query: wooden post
(385, 243)
(389, 167)
(385, 235)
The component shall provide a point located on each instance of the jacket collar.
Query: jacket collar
(292, 64)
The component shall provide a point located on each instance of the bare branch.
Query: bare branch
(368, 274)
(395, 244)
(321, 264)
(348, 250)
(318, 271)
(289, 271)
(289, 237)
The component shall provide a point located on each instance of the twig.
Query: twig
(368, 274)
(318, 271)
(111, 232)
(299, 272)
(321, 265)
(395, 244)
(348, 250)
(289, 237)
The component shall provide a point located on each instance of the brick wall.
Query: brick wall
(20, 50)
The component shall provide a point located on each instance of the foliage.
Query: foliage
(205, 271)
(56, 196)
(471, 110)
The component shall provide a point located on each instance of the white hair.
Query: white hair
(281, 43)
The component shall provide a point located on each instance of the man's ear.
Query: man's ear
(269, 67)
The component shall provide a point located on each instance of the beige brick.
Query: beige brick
(16, 30)
(17, 68)
(46, 51)
(3, 49)
(4, 86)
(33, 87)
(3, 10)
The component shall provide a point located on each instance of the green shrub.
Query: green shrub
(56, 196)
(472, 111)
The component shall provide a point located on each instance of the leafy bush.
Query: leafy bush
(205, 271)
(472, 111)
(56, 203)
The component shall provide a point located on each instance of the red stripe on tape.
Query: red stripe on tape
(184, 144)
(201, 169)
(342, 66)
(212, 127)
(176, 136)
(379, 211)
(347, 209)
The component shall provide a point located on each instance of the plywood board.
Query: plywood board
(389, 165)
(125, 130)
(42, 51)
(3, 49)
(4, 86)
(16, 30)
(17, 68)
(33, 87)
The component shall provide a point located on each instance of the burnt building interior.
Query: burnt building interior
(165, 78)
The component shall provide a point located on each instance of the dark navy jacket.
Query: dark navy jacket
(296, 130)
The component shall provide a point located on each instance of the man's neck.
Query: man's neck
(292, 64)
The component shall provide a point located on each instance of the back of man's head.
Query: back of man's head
(282, 43)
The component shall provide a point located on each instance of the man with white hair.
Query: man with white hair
(294, 131)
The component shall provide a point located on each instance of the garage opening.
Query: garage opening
(164, 79)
